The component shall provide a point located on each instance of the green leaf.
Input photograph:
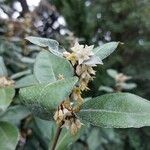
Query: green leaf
(26, 81)
(20, 74)
(19, 112)
(6, 96)
(128, 86)
(49, 128)
(9, 136)
(45, 131)
(47, 135)
(105, 50)
(3, 70)
(121, 110)
(53, 46)
(112, 73)
(43, 99)
(43, 42)
(48, 67)
(106, 89)
(66, 139)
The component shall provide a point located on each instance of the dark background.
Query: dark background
(91, 21)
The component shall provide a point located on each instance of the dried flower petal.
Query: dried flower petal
(73, 129)
(122, 78)
(6, 82)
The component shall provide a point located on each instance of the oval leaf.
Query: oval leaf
(19, 112)
(128, 86)
(26, 81)
(43, 99)
(6, 96)
(9, 136)
(105, 50)
(43, 42)
(112, 73)
(66, 139)
(48, 67)
(121, 110)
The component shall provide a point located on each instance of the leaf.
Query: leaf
(28, 80)
(48, 67)
(6, 96)
(20, 74)
(19, 112)
(58, 52)
(94, 60)
(128, 86)
(43, 99)
(9, 136)
(105, 50)
(46, 130)
(121, 110)
(106, 89)
(3, 70)
(112, 73)
(49, 128)
(43, 42)
(66, 139)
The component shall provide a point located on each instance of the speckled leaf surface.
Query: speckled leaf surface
(26, 81)
(6, 96)
(9, 136)
(105, 50)
(44, 98)
(52, 45)
(48, 67)
(120, 110)
(67, 139)
(43, 42)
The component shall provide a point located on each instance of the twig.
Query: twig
(59, 129)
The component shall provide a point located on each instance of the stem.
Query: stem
(59, 129)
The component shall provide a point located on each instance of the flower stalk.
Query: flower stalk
(58, 132)
(83, 60)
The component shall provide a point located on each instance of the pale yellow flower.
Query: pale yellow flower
(76, 95)
(66, 118)
(58, 116)
(6, 82)
(71, 57)
(77, 47)
(91, 70)
(84, 84)
(73, 128)
(84, 54)
(78, 123)
(122, 78)
(85, 72)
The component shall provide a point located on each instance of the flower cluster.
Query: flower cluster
(83, 61)
(65, 117)
(5, 82)
(121, 80)
(82, 55)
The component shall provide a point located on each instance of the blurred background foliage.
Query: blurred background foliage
(91, 21)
